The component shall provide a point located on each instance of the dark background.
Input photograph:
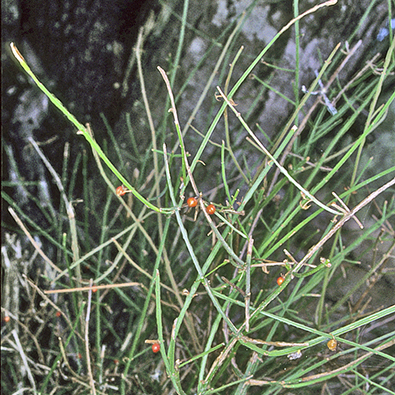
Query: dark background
(80, 50)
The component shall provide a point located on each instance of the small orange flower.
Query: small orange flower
(280, 280)
(156, 347)
(210, 209)
(332, 344)
(192, 202)
(121, 190)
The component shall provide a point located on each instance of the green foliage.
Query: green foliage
(145, 268)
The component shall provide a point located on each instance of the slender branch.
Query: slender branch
(281, 168)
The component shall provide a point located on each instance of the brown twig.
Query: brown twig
(29, 236)
(88, 358)
(343, 220)
(93, 288)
